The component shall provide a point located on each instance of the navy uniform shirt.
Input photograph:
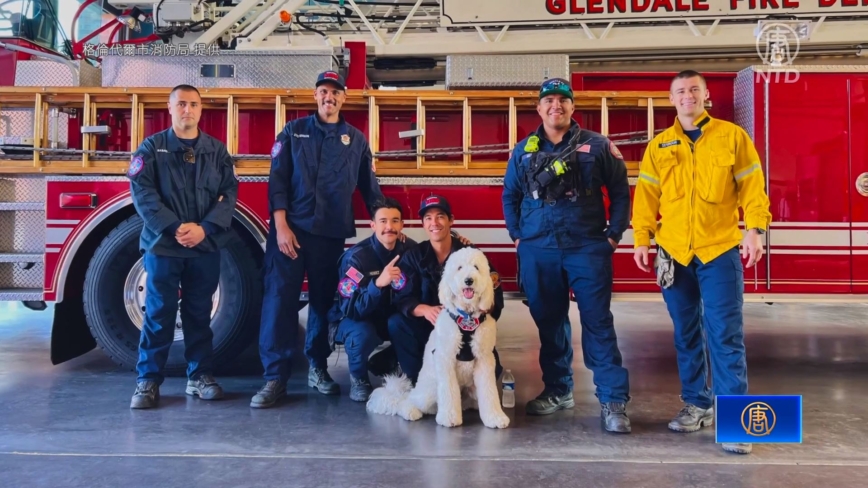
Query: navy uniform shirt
(167, 191)
(569, 223)
(423, 272)
(315, 168)
(359, 297)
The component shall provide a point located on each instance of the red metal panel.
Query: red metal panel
(255, 131)
(391, 123)
(808, 184)
(488, 128)
(357, 77)
(444, 130)
(8, 60)
(858, 166)
(73, 220)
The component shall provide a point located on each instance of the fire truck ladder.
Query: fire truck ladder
(89, 131)
(408, 150)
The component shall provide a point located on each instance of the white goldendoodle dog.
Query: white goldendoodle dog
(459, 355)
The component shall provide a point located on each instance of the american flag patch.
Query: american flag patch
(585, 148)
(355, 274)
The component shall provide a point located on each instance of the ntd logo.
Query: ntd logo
(777, 44)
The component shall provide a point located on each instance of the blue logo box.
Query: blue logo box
(758, 419)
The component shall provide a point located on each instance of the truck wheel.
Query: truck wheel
(114, 300)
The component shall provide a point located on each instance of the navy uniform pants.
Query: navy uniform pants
(705, 303)
(546, 277)
(197, 278)
(360, 338)
(409, 335)
(283, 279)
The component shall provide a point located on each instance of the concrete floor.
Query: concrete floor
(70, 425)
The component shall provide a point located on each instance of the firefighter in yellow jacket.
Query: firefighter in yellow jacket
(696, 174)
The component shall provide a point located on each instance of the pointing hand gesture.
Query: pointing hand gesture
(390, 273)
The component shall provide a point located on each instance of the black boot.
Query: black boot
(614, 417)
(320, 379)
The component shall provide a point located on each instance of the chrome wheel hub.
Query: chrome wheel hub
(135, 291)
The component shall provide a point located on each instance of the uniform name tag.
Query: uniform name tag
(585, 148)
(301, 135)
(676, 142)
(374, 273)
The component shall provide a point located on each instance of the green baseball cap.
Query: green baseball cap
(556, 86)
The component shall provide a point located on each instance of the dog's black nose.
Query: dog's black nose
(468, 281)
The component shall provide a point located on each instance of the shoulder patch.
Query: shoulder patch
(615, 151)
(275, 149)
(676, 142)
(347, 287)
(400, 283)
(495, 279)
(136, 166)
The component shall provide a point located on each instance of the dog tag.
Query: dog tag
(469, 323)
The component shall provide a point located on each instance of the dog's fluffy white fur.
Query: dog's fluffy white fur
(447, 386)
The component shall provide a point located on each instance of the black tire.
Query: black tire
(234, 323)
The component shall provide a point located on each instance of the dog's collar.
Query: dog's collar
(466, 321)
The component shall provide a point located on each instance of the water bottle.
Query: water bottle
(508, 389)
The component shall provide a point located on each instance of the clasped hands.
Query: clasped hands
(190, 234)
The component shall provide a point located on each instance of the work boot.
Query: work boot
(147, 395)
(205, 387)
(614, 417)
(360, 389)
(692, 418)
(269, 394)
(384, 363)
(548, 402)
(736, 447)
(319, 378)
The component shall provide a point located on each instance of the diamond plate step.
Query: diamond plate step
(20, 294)
(22, 206)
(8, 257)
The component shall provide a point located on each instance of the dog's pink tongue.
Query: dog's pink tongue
(468, 293)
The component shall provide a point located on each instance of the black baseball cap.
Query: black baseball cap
(556, 86)
(331, 77)
(435, 201)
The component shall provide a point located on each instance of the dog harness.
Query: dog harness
(467, 324)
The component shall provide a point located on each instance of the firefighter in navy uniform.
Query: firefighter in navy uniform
(368, 274)
(317, 162)
(184, 187)
(554, 211)
(417, 299)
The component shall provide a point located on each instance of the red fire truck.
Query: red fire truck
(69, 232)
